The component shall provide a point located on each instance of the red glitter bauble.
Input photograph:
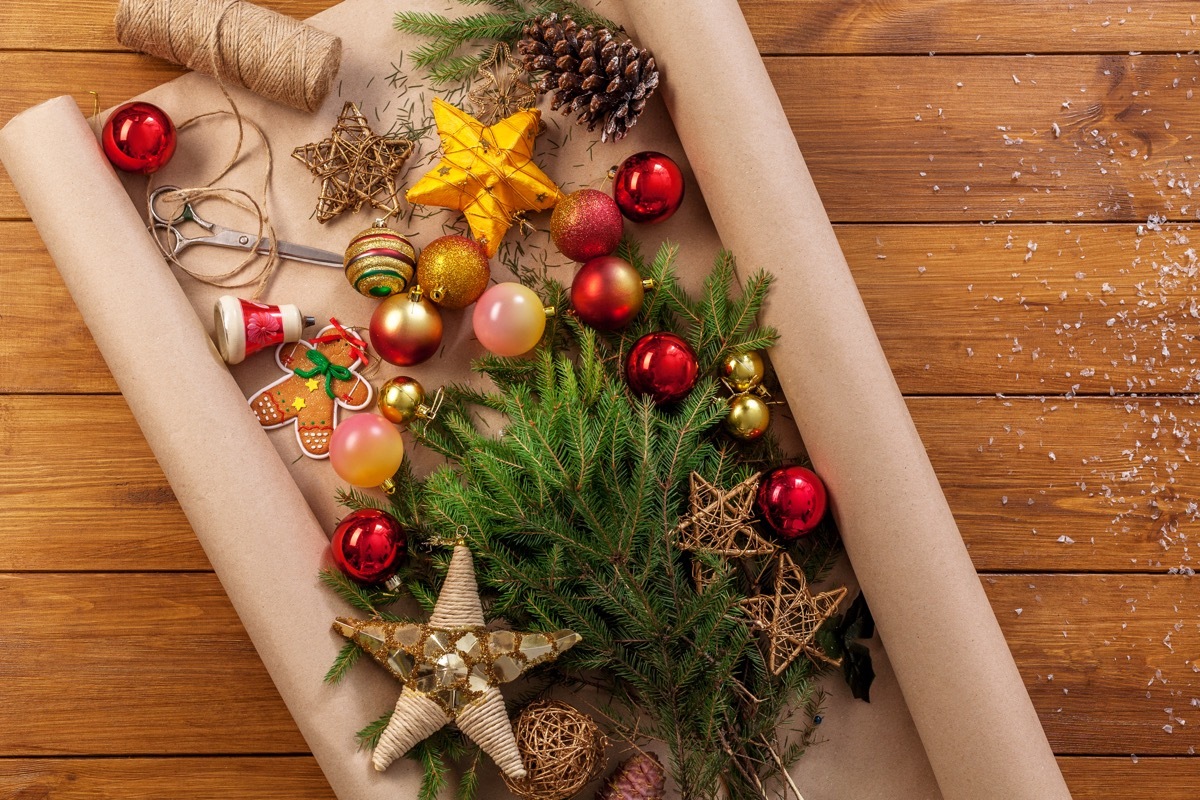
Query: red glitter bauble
(607, 293)
(368, 546)
(648, 187)
(586, 224)
(139, 137)
(792, 500)
(663, 366)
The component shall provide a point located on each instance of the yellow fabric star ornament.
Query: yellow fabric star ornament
(486, 172)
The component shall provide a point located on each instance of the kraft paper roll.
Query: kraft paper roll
(979, 728)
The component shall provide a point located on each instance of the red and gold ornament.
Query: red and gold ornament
(509, 319)
(454, 270)
(792, 500)
(369, 546)
(406, 328)
(379, 261)
(139, 137)
(586, 224)
(608, 292)
(648, 187)
(663, 366)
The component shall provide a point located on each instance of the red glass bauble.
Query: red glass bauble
(648, 187)
(139, 137)
(369, 546)
(792, 500)
(663, 366)
(586, 224)
(607, 293)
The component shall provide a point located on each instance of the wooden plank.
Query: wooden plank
(970, 26)
(1023, 476)
(1017, 309)
(233, 778)
(84, 25)
(139, 664)
(299, 778)
(83, 491)
(158, 664)
(782, 26)
(881, 133)
(1130, 778)
(1110, 661)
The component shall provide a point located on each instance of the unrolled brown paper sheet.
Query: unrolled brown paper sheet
(955, 669)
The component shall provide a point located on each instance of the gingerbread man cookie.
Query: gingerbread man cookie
(321, 376)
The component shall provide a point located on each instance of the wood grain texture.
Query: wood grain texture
(970, 26)
(158, 664)
(234, 778)
(1016, 309)
(1034, 484)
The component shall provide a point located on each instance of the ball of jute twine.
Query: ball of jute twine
(563, 750)
(238, 43)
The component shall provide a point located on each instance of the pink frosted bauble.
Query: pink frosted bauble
(509, 319)
(366, 450)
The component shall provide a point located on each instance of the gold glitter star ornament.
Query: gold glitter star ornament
(450, 668)
(486, 172)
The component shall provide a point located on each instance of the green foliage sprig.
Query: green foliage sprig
(570, 489)
(442, 55)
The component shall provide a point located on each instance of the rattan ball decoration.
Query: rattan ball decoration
(563, 750)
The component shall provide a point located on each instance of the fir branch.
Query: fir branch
(368, 737)
(347, 657)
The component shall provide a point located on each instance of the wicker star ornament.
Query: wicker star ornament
(355, 166)
(450, 668)
(719, 522)
(791, 615)
(486, 172)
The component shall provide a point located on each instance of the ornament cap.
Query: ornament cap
(551, 312)
(388, 487)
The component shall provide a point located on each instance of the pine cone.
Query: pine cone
(592, 74)
(638, 778)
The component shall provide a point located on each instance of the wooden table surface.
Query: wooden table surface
(1006, 177)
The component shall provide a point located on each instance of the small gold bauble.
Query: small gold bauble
(743, 371)
(401, 400)
(454, 270)
(748, 418)
(380, 262)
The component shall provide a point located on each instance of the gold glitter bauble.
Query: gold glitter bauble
(454, 271)
(743, 371)
(749, 417)
(379, 262)
(401, 400)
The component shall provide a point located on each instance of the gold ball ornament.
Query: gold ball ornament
(562, 748)
(748, 418)
(402, 399)
(406, 329)
(380, 262)
(454, 270)
(744, 371)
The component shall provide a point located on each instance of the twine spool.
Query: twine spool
(563, 750)
(238, 43)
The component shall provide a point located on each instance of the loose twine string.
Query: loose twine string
(241, 44)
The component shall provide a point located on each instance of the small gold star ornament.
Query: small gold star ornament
(486, 172)
(355, 166)
(450, 668)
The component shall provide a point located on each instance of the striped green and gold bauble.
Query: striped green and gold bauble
(380, 262)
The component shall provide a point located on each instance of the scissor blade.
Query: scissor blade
(299, 252)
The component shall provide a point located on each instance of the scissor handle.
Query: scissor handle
(186, 214)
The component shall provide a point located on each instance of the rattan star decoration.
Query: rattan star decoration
(791, 615)
(486, 172)
(718, 522)
(501, 87)
(450, 668)
(355, 166)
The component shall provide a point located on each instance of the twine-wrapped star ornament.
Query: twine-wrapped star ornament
(791, 615)
(501, 87)
(355, 166)
(486, 172)
(450, 668)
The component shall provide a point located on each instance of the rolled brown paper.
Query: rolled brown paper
(238, 43)
(958, 677)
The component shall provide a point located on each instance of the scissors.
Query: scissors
(224, 237)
